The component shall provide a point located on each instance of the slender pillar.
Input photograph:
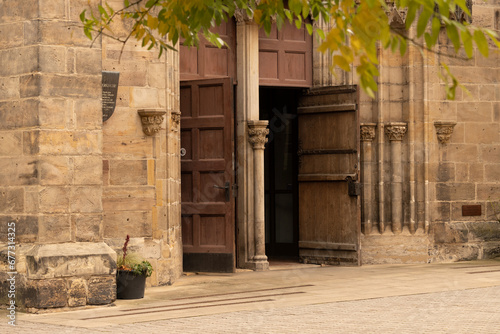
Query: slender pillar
(257, 132)
(367, 137)
(396, 131)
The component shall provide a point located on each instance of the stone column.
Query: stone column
(257, 132)
(367, 137)
(395, 132)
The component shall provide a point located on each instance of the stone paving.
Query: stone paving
(461, 309)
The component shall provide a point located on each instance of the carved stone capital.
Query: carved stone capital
(151, 120)
(257, 134)
(368, 131)
(397, 18)
(396, 131)
(444, 131)
(175, 116)
(240, 15)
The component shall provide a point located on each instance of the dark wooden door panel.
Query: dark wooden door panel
(329, 217)
(207, 175)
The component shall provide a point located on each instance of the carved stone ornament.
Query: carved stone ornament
(151, 120)
(257, 134)
(396, 131)
(444, 131)
(176, 119)
(368, 131)
(397, 18)
(241, 15)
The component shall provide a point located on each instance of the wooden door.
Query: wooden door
(207, 175)
(329, 205)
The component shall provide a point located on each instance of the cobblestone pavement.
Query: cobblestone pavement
(460, 311)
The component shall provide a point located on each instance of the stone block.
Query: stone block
(11, 35)
(88, 61)
(18, 171)
(9, 88)
(18, 61)
(31, 33)
(487, 93)
(456, 212)
(70, 143)
(46, 293)
(57, 33)
(11, 200)
(29, 85)
(128, 198)
(126, 147)
(31, 142)
(88, 113)
(52, 59)
(156, 75)
(132, 73)
(88, 86)
(55, 170)
(482, 133)
(461, 172)
(445, 172)
(455, 191)
(31, 204)
(484, 231)
(52, 9)
(54, 228)
(70, 259)
(476, 172)
(492, 173)
(490, 153)
(449, 233)
(11, 11)
(77, 292)
(135, 223)
(11, 143)
(486, 192)
(77, 6)
(102, 290)
(440, 211)
(54, 199)
(144, 98)
(86, 199)
(88, 170)
(459, 153)
(128, 172)
(87, 228)
(474, 112)
(16, 114)
(26, 227)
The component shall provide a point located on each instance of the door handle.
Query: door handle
(226, 188)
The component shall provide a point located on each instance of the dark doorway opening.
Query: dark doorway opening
(279, 107)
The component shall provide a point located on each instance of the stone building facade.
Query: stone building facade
(75, 186)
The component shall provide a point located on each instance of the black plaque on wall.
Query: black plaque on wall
(109, 91)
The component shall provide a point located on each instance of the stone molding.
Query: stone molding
(444, 131)
(396, 131)
(151, 120)
(368, 131)
(257, 134)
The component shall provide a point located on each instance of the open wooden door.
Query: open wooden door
(329, 205)
(207, 175)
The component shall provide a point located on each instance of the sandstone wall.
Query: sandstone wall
(141, 174)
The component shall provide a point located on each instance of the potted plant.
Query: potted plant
(131, 274)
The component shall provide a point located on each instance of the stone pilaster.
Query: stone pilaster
(367, 137)
(395, 132)
(257, 132)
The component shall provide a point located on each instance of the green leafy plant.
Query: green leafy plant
(132, 262)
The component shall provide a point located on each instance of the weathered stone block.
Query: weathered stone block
(31, 32)
(492, 173)
(87, 228)
(487, 192)
(31, 142)
(18, 61)
(70, 259)
(119, 224)
(456, 212)
(17, 11)
(11, 143)
(144, 98)
(77, 292)
(52, 9)
(54, 228)
(88, 61)
(55, 33)
(455, 191)
(29, 85)
(52, 59)
(70, 143)
(71, 86)
(102, 290)
(16, 115)
(460, 153)
(18, 171)
(9, 88)
(11, 35)
(482, 133)
(55, 170)
(128, 172)
(46, 293)
(449, 233)
(88, 114)
(129, 147)
(86, 199)
(88, 170)
(54, 199)
(440, 211)
(490, 153)
(484, 231)
(12, 200)
(26, 227)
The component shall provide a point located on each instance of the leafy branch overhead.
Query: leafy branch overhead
(359, 26)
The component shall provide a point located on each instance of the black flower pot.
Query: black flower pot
(129, 286)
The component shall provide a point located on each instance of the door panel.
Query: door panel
(329, 216)
(207, 175)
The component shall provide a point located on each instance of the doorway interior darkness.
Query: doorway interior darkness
(279, 107)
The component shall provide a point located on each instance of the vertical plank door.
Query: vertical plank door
(207, 175)
(329, 205)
